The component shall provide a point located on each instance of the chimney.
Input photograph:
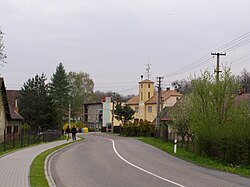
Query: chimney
(141, 77)
(15, 107)
(168, 88)
(243, 89)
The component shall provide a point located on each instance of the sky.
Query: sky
(114, 40)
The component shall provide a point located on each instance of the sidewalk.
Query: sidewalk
(15, 166)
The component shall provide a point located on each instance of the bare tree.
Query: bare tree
(3, 56)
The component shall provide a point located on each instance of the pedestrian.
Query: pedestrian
(73, 132)
(67, 132)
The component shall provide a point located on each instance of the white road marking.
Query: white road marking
(167, 180)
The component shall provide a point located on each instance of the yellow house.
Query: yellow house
(145, 103)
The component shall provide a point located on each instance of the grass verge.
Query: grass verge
(191, 157)
(37, 173)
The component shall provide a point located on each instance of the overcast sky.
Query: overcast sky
(113, 40)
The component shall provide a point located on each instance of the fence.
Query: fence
(170, 136)
(26, 137)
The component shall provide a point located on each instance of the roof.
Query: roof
(95, 103)
(146, 81)
(244, 96)
(9, 110)
(11, 96)
(14, 115)
(167, 119)
(133, 101)
(165, 95)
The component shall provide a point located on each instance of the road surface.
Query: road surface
(104, 160)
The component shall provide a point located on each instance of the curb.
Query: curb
(47, 164)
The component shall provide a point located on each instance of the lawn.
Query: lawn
(199, 160)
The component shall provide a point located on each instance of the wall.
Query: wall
(2, 120)
(170, 101)
(150, 116)
(93, 113)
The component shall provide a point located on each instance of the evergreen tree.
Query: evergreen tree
(123, 113)
(35, 103)
(59, 91)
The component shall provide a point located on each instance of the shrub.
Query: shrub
(143, 128)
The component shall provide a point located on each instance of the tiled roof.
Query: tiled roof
(14, 115)
(133, 101)
(12, 95)
(244, 96)
(165, 95)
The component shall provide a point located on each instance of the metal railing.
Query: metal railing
(26, 137)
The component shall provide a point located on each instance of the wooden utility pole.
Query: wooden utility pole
(217, 70)
(69, 113)
(113, 112)
(159, 81)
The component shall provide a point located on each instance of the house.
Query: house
(98, 115)
(145, 103)
(10, 119)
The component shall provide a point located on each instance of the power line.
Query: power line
(230, 46)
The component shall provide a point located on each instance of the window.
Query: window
(149, 109)
(141, 95)
(148, 85)
(8, 129)
(148, 95)
(15, 129)
(136, 109)
(141, 85)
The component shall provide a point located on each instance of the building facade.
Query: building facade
(98, 115)
(145, 103)
(10, 119)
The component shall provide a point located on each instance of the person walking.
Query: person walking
(67, 132)
(73, 132)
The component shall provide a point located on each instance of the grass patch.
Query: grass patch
(37, 173)
(191, 157)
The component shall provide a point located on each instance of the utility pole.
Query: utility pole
(69, 112)
(159, 81)
(113, 110)
(217, 70)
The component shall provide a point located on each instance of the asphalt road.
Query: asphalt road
(99, 161)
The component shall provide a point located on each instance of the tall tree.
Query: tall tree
(59, 90)
(213, 115)
(2, 53)
(36, 105)
(123, 113)
(81, 91)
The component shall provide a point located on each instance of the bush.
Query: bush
(143, 128)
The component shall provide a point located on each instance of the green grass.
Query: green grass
(37, 173)
(191, 157)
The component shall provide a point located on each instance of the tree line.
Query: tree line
(45, 104)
